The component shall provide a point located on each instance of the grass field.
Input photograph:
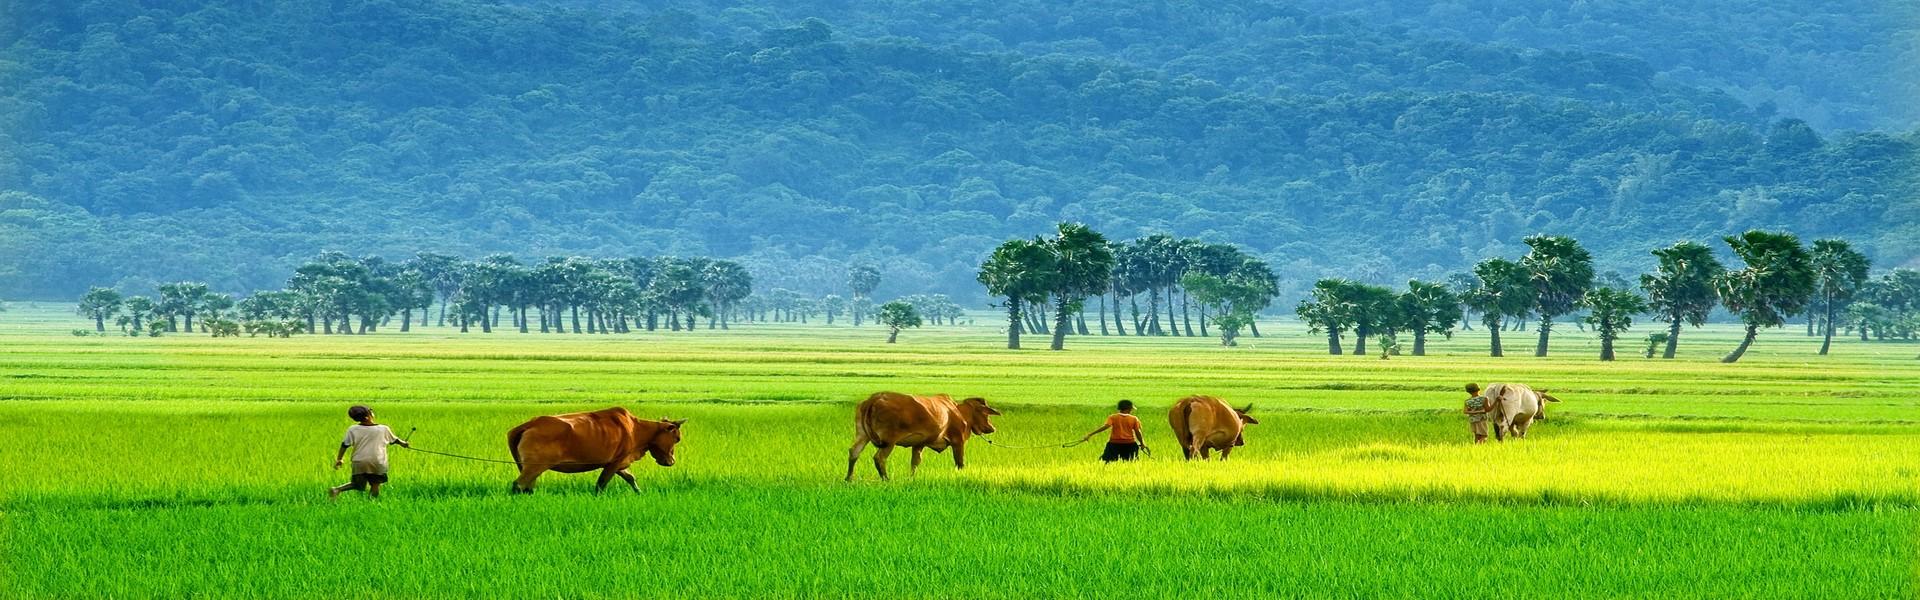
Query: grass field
(186, 465)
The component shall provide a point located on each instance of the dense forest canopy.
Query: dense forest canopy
(143, 142)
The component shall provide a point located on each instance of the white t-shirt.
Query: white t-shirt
(369, 446)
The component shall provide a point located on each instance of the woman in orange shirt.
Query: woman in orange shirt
(1125, 442)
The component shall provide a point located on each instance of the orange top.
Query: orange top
(1121, 427)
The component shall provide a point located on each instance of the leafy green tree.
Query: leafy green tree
(1502, 289)
(1082, 265)
(1680, 290)
(1561, 272)
(1428, 308)
(1777, 281)
(100, 304)
(443, 273)
(726, 283)
(1330, 309)
(1020, 272)
(897, 315)
(862, 279)
(140, 308)
(832, 305)
(1375, 311)
(1233, 297)
(181, 299)
(1611, 311)
(1839, 272)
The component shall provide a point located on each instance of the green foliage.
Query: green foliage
(1427, 308)
(1681, 287)
(1611, 311)
(1777, 281)
(897, 315)
(100, 304)
(1561, 271)
(147, 136)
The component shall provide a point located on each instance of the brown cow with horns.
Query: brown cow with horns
(919, 422)
(606, 440)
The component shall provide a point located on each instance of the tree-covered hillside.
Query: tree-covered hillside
(157, 141)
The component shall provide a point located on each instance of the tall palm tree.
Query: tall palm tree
(1501, 289)
(1777, 281)
(101, 304)
(1018, 271)
(1428, 308)
(1610, 311)
(1330, 308)
(1839, 272)
(1561, 272)
(1680, 290)
(1082, 266)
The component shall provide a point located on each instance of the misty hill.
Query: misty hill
(146, 144)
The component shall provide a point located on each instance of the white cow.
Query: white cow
(1513, 406)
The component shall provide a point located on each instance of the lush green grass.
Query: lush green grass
(161, 467)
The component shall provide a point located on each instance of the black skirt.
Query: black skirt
(1120, 451)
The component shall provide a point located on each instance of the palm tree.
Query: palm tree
(1428, 307)
(1839, 272)
(101, 304)
(1330, 308)
(1777, 281)
(1680, 289)
(861, 281)
(139, 307)
(1082, 266)
(1561, 272)
(1374, 312)
(1501, 289)
(897, 315)
(1611, 311)
(1019, 271)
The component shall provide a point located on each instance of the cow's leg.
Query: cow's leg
(606, 475)
(628, 476)
(915, 469)
(853, 455)
(880, 461)
(959, 456)
(1224, 452)
(1206, 452)
(528, 473)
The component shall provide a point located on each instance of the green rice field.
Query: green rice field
(189, 466)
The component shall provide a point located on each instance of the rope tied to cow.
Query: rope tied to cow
(462, 456)
(1071, 444)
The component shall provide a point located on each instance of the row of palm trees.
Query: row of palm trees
(1058, 273)
(1779, 278)
(338, 294)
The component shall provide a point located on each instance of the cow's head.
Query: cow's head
(664, 439)
(978, 415)
(1245, 419)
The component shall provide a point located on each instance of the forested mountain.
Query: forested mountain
(156, 141)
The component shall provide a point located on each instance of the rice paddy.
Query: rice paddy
(187, 465)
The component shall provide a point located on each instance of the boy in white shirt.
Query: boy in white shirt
(369, 442)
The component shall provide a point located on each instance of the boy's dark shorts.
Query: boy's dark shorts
(362, 479)
(1120, 451)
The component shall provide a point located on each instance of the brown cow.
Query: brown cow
(608, 440)
(919, 422)
(1205, 423)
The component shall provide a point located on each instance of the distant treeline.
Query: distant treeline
(1828, 284)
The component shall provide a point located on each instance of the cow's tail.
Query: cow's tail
(863, 420)
(513, 442)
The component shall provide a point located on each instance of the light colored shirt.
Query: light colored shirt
(369, 444)
(1122, 427)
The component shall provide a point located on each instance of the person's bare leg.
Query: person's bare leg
(373, 491)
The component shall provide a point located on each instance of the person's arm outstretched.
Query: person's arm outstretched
(1096, 432)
